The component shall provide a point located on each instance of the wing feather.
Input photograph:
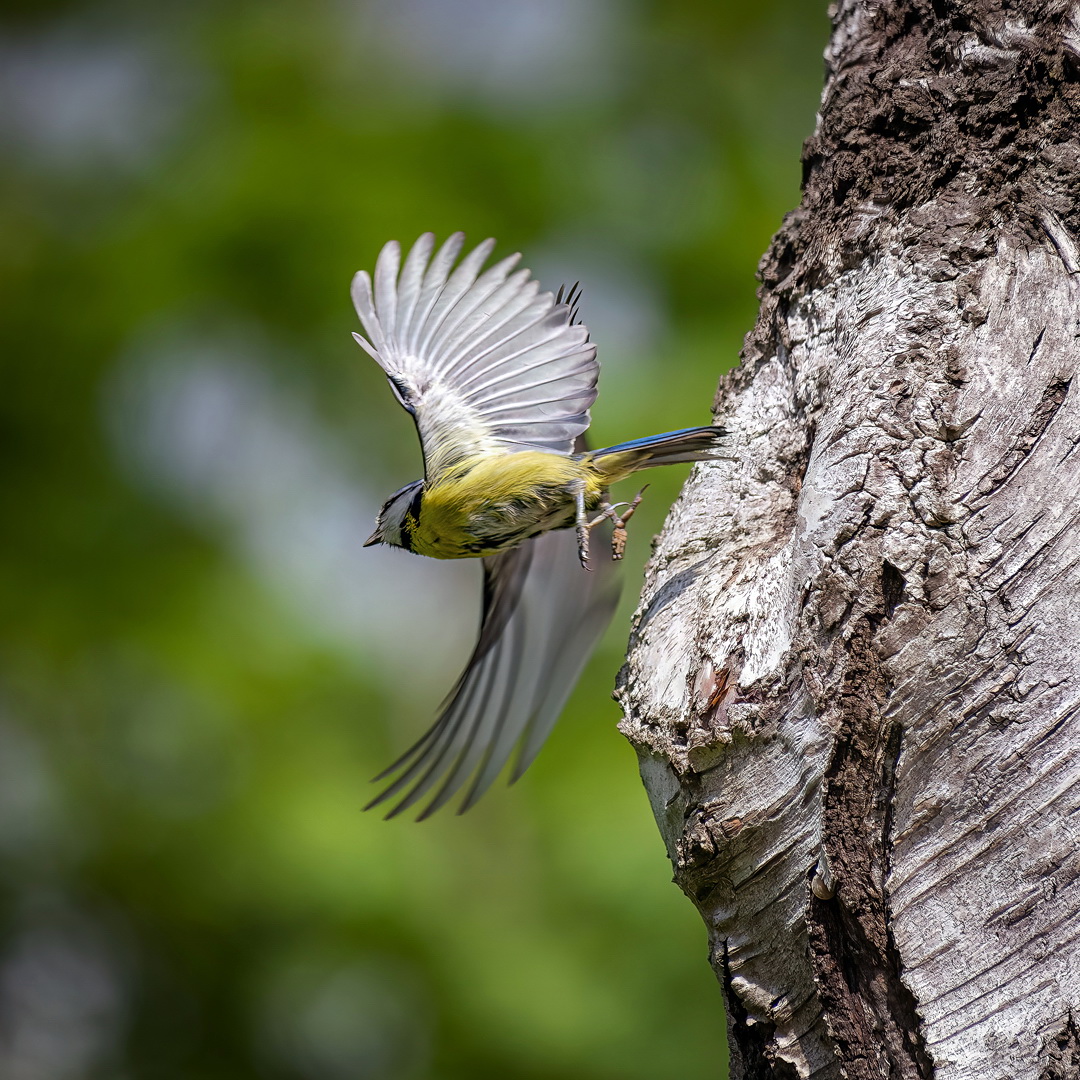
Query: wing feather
(565, 365)
(412, 281)
(364, 302)
(518, 293)
(386, 272)
(454, 289)
(564, 632)
(543, 614)
(489, 719)
(434, 281)
(484, 361)
(470, 315)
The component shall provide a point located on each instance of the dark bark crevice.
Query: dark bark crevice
(1063, 1053)
(751, 1044)
(871, 1013)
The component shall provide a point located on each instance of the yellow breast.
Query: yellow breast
(492, 502)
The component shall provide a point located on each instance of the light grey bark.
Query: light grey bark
(854, 677)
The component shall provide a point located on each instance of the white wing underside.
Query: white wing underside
(485, 362)
(543, 614)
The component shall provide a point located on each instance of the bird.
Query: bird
(499, 378)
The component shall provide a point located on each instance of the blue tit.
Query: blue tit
(499, 378)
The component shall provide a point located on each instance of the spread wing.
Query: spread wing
(485, 362)
(542, 616)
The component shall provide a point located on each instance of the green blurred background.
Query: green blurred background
(200, 668)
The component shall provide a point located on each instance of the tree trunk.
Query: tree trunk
(853, 679)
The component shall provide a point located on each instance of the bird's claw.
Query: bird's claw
(583, 545)
(618, 542)
(618, 536)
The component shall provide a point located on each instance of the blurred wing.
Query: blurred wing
(485, 362)
(543, 614)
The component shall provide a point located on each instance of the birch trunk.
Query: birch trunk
(853, 678)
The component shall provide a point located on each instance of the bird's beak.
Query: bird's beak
(374, 538)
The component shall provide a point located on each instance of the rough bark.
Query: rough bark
(853, 679)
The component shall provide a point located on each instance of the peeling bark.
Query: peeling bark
(853, 677)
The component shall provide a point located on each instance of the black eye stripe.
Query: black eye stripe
(412, 513)
(414, 506)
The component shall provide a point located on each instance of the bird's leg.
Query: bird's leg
(618, 537)
(608, 513)
(577, 488)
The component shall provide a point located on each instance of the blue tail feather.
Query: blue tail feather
(687, 444)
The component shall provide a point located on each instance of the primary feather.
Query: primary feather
(485, 362)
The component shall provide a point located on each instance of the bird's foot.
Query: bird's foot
(577, 489)
(618, 537)
(585, 528)
(608, 513)
(583, 543)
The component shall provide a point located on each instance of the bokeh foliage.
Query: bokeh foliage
(199, 668)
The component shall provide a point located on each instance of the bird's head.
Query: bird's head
(390, 527)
